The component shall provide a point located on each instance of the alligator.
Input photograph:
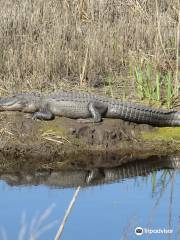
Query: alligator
(87, 107)
(93, 176)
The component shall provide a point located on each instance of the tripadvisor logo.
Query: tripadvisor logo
(139, 231)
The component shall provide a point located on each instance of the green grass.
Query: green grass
(154, 85)
(163, 134)
(158, 87)
(169, 89)
(139, 81)
(108, 83)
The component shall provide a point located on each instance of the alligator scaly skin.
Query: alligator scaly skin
(88, 108)
(84, 178)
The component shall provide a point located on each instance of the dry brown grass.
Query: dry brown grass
(50, 44)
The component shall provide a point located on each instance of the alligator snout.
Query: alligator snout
(11, 104)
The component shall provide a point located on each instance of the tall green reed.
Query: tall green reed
(153, 85)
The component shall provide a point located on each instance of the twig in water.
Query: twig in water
(60, 230)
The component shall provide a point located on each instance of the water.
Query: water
(106, 211)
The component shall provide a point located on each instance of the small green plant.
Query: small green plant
(139, 81)
(148, 80)
(149, 85)
(109, 83)
(169, 89)
(158, 86)
(143, 77)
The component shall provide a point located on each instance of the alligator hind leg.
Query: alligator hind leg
(96, 110)
(46, 115)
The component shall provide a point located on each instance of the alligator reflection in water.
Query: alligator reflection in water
(95, 176)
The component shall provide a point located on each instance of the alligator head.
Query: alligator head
(20, 102)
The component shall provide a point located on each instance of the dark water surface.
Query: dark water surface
(106, 211)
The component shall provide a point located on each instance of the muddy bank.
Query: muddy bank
(63, 139)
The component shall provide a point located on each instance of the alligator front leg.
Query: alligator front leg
(96, 110)
(94, 175)
(46, 115)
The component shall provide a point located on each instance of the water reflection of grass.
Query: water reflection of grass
(160, 181)
(159, 187)
(159, 184)
(37, 227)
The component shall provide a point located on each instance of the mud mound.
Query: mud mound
(62, 139)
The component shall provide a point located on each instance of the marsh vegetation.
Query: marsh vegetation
(124, 48)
